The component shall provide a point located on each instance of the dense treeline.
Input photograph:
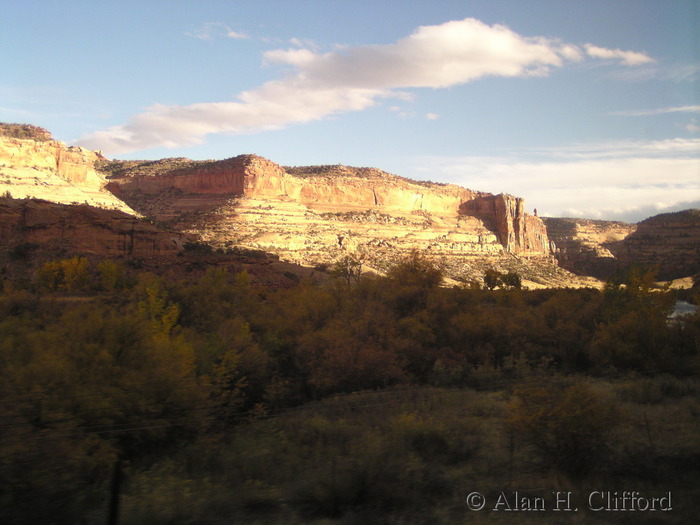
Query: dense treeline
(100, 362)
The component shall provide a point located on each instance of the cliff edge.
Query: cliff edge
(311, 213)
(33, 165)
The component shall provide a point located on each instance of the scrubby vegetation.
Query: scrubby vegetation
(373, 400)
(24, 131)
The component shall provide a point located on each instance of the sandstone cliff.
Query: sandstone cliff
(82, 229)
(669, 242)
(583, 246)
(34, 165)
(315, 214)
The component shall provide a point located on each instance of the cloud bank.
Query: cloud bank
(618, 181)
(318, 85)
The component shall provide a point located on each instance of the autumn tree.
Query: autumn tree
(416, 269)
(568, 427)
(492, 279)
(633, 333)
(349, 268)
(67, 274)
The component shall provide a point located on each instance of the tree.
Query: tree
(633, 333)
(512, 280)
(348, 267)
(67, 274)
(492, 279)
(112, 276)
(567, 427)
(416, 270)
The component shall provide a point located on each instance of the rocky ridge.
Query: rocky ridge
(313, 215)
(586, 246)
(669, 242)
(33, 165)
(316, 214)
(83, 229)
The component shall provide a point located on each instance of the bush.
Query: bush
(567, 427)
(416, 270)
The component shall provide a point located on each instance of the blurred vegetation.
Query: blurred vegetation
(373, 400)
(24, 131)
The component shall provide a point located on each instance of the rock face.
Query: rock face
(518, 232)
(315, 214)
(35, 166)
(585, 246)
(669, 242)
(83, 229)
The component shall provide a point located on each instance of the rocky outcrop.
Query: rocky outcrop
(585, 246)
(310, 215)
(83, 229)
(35, 166)
(255, 177)
(669, 242)
(517, 231)
(315, 214)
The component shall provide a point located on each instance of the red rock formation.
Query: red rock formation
(83, 229)
(669, 242)
(583, 246)
(39, 167)
(518, 232)
(324, 188)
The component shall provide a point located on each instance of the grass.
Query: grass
(411, 455)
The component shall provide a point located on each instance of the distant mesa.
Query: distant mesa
(33, 165)
(315, 214)
(668, 242)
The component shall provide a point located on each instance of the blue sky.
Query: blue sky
(583, 108)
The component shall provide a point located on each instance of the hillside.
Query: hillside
(316, 214)
(669, 242)
(33, 165)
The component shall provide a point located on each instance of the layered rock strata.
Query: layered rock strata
(669, 242)
(585, 246)
(314, 214)
(83, 229)
(32, 165)
(518, 232)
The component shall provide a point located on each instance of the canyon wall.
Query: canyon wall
(255, 177)
(518, 232)
(48, 169)
(83, 229)
(236, 186)
(311, 215)
(669, 242)
(584, 246)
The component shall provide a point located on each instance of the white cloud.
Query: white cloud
(658, 111)
(212, 30)
(432, 116)
(613, 181)
(318, 85)
(629, 58)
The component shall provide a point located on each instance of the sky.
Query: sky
(584, 109)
